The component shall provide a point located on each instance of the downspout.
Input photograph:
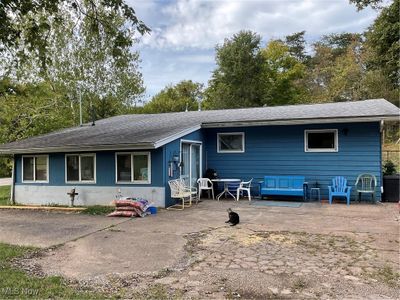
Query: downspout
(12, 193)
(382, 136)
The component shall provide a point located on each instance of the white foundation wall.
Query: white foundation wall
(87, 195)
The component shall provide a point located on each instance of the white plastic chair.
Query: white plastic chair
(203, 186)
(244, 186)
(366, 184)
(180, 191)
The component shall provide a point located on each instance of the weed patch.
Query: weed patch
(5, 195)
(16, 284)
(98, 210)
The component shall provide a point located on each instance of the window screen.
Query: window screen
(321, 140)
(231, 142)
(140, 166)
(124, 167)
(28, 168)
(41, 168)
(73, 168)
(87, 168)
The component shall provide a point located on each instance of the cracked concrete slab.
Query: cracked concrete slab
(44, 229)
(155, 243)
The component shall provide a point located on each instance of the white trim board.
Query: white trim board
(132, 154)
(313, 150)
(34, 168)
(80, 181)
(231, 151)
(176, 136)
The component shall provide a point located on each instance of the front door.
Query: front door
(191, 162)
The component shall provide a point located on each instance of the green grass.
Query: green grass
(5, 195)
(16, 284)
(98, 210)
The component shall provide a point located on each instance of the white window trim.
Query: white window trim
(80, 181)
(230, 151)
(34, 169)
(335, 131)
(132, 181)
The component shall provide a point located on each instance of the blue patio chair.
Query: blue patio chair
(339, 188)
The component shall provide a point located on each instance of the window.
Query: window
(325, 140)
(133, 167)
(230, 142)
(35, 168)
(80, 168)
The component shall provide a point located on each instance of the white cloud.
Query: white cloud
(198, 24)
(185, 32)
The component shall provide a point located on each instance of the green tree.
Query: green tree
(22, 23)
(283, 75)
(175, 98)
(296, 44)
(237, 80)
(98, 67)
(361, 4)
(337, 68)
(382, 40)
(31, 109)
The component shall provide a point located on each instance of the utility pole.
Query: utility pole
(80, 107)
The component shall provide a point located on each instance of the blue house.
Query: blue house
(138, 154)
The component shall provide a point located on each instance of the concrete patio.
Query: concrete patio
(314, 251)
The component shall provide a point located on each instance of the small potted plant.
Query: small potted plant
(391, 182)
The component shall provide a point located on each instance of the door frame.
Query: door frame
(191, 142)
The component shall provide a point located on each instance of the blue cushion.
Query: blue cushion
(270, 183)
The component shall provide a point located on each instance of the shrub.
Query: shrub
(389, 168)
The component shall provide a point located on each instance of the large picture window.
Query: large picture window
(35, 168)
(133, 167)
(324, 140)
(230, 142)
(80, 168)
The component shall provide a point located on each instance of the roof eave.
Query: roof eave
(301, 121)
(78, 148)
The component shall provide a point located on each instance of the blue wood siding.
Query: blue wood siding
(172, 148)
(269, 150)
(279, 150)
(105, 169)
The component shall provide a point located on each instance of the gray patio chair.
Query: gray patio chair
(365, 184)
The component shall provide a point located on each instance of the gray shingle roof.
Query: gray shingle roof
(152, 130)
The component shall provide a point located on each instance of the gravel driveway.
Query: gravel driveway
(315, 251)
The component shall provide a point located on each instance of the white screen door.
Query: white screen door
(191, 163)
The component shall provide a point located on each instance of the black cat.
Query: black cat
(233, 217)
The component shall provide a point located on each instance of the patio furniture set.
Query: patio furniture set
(270, 186)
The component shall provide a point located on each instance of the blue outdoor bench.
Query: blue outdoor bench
(284, 186)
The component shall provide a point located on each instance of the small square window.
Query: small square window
(230, 142)
(35, 168)
(321, 140)
(81, 168)
(133, 168)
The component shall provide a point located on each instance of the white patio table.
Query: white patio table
(226, 181)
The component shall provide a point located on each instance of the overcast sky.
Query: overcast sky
(185, 32)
